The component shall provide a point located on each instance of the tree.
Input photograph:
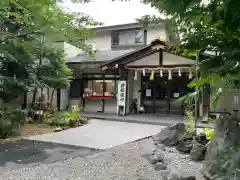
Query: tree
(23, 25)
(214, 27)
(207, 26)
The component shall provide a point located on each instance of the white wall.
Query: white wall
(133, 90)
(156, 32)
(226, 102)
(101, 42)
(171, 59)
(71, 51)
(63, 101)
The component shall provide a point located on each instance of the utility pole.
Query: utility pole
(196, 89)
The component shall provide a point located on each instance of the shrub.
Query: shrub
(62, 118)
(209, 133)
(11, 119)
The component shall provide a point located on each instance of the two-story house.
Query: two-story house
(154, 78)
(131, 65)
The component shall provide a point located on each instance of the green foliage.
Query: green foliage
(62, 118)
(229, 164)
(11, 118)
(209, 27)
(190, 121)
(29, 31)
(209, 133)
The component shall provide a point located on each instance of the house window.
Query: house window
(123, 38)
(139, 37)
(100, 88)
(115, 38)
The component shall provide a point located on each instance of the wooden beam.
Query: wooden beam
(163, 66)
(160, 58)
(140, 56)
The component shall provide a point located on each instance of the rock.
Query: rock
(185, 146)
(164, 174)
(160, 155)
(154, 151)
(57, 129)
(188, 178)
(153, 159)
(202, 139)
(198, 152)
(223, 148)
(160, 146)
(155, 143)
(170, 135)
(160, 166)
(174, 175)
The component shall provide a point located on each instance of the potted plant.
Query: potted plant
(83, 120)
(74, 116)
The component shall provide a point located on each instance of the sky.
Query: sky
(112, 13)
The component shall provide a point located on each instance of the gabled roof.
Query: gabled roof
(133, 55)
(157, 45)
(99, 56)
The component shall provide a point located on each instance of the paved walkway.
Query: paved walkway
(152, 119)
(100, 134)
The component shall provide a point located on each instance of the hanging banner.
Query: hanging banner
(121, 98)
(122, 86)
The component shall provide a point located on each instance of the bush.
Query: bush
(11, 119)
(62, 118)
(209, 133)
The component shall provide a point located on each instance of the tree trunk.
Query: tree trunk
(52, 95)
(34, 97)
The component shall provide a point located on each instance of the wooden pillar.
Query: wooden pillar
(58, 99)
(104, 90)
(25, 100)
(122, 73)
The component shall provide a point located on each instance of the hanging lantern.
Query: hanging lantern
(135, 75)
(190, 73)
(152, 75)
(169, 74)
(144, 72)
(116, 65)
(179, 72)
(161, 73)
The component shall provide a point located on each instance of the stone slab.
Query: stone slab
(100, 134)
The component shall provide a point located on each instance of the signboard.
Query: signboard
(235, 100)
(148, 92)
(122, 86)
(176, 95)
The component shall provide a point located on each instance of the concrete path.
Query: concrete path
(153, 119)
(100, 134)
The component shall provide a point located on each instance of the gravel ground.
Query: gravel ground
(125, 162)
